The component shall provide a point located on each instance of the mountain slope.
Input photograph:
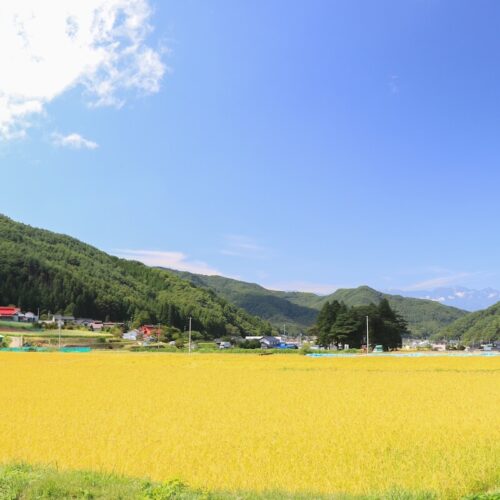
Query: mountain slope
(53, 272)
(299, 310)
(273, 306)
(475, 327)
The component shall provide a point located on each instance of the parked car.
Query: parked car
(285, 345)
(225, 345)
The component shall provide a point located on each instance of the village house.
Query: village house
(9, 313)
(12, 313)
(86, 322)
(28, 317)
(56, 318)
(149, 330)
(269, 342)
(111, 324)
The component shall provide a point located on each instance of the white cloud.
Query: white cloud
(75, 141)
(47, 48)
(243, 246)
(303, 286)
(172, 260)
(436, 299)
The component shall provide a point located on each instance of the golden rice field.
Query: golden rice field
(257, 423)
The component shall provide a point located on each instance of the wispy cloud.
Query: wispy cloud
(52, 47)
(75, 141)
(172, 260)
(243, 246)
(438, 281)
(303, 286)
(394, 84)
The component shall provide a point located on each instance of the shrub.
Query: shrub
(166, 491)
(249, 344)
(305, 349)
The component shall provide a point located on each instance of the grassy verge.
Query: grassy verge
(26, 482)
(16, 325)
(21, 481)
(54, 334)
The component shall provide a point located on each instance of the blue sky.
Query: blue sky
(300, 145)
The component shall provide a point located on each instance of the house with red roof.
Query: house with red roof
(9, 313)
(149, 330)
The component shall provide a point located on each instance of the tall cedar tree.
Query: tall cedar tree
(338, 325)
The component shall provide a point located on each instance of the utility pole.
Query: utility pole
(158, 336)
(190, 334)
(367, 336)
(284, 332)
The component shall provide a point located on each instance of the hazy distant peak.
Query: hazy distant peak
(458, 296)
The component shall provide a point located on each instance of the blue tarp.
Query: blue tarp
(75, 349)
(404, 355)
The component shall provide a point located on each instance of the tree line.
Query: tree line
(338, 324)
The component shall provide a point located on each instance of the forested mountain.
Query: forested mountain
(273, 306)
(299, 310)
(57, 273)
(475, 327)
(424, 317)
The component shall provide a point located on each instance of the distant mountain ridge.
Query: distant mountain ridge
(299, 310)
(461, 297)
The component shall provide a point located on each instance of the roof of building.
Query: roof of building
(9, 310)
(64, 318)
(268, 338)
